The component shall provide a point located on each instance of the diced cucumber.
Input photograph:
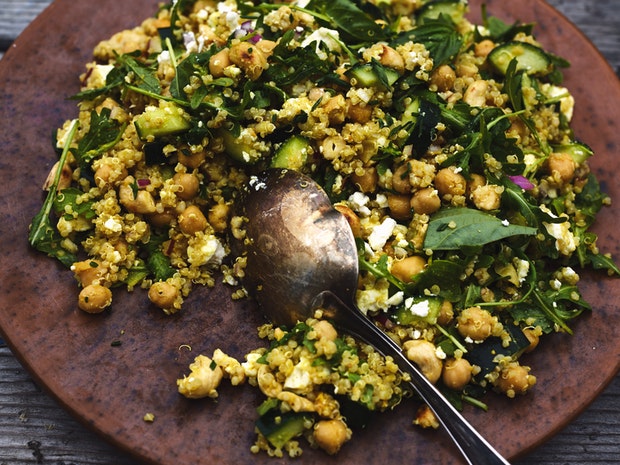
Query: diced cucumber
(165, 120)
(580, 152)
(237, 149)
(278, 429)
(292, 154)
(531, 59)
(411, 112)
(455, 9)
(372, 75)
(418, 309)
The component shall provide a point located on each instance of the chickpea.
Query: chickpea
(296, 402)
(487, 197)
(87, 271)
(267, 382)
(476, 323)
(425, 201)
(400, 179)
(532, 335)
(408, 267)
(367, 182)
(352, 219)
(359, 113)
(249, 58)
(443, 78)
(423, 353)
(330, 435)
(219, 62)
(514, 379)
(392, 59)
(336, 109)
(449, 182)
(203, 379)
(107, 174)
(563, 165)
(446, 313)
(189, 184)
(483, 48)
(163, 294)
(136, 202)
(332, 146)
(456, 373)
(325, 330)
(218, 217)
(474, 182)
(192, 220)
(94, 298)
(400, 206)
(162, 219)
(191, 159)
(426, 418)
(266, 46)
(476, 93)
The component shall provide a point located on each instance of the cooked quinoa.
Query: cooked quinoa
(447, 146)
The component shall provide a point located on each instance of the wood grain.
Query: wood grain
(35, 430)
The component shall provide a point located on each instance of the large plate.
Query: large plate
(110, 388)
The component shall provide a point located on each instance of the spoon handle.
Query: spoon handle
(475, 449)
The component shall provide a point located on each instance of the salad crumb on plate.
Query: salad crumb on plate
(447, 146)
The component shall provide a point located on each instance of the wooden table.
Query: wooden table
(34, 429)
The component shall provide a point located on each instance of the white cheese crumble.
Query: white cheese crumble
(329, 37)
(358, 202)
(381, 233)
(421, 309)
(565, 241)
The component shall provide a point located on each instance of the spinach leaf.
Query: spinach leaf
(457, 228)
(348, 19)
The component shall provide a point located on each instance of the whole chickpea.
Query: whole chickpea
(330, 435)
(249, 58)
(408, 267)
(163, 294)
(449, 182)
(192, 220)
(423, 353)
(87, 271)
(135, 202)
(219, 62)
(400, 206)
(392, 59)
(366, 182)
(94, 298)
(359, 113)
(484, 47)
(474, 182)
(446, 313)
(325, 330)
(456, 373)
(532, 335)
(425, 201)
(562, 164)
(487, 197)
(400, 179)
(476, 323)
(443, 78)
(476, 93)
(189, 185)
(515, 379)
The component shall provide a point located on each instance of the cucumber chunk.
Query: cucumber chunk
(455, 9)
(372, 75)
(531, 59)
(418, 309)
(165, 120)
(292, 154)
(578, 151)
(237, 149)
(278, 429)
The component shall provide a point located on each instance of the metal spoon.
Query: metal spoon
(301, 256)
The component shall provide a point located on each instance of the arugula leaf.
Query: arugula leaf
(157, 262)
(458, 228)
(102, 135)
(43, 236)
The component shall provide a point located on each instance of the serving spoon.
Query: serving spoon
(302, 256)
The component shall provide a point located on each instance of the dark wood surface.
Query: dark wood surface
(35, 430)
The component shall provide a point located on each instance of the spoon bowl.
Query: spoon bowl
(302, 256)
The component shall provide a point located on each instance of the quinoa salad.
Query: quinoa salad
(446, 145)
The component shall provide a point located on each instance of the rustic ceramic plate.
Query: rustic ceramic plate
(110, 388)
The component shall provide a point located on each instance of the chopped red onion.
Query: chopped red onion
(143, 182)
(522, 182)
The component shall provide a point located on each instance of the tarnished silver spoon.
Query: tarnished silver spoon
(301, 256)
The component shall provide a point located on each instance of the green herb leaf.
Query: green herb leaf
(458, 228)
(102, 135)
